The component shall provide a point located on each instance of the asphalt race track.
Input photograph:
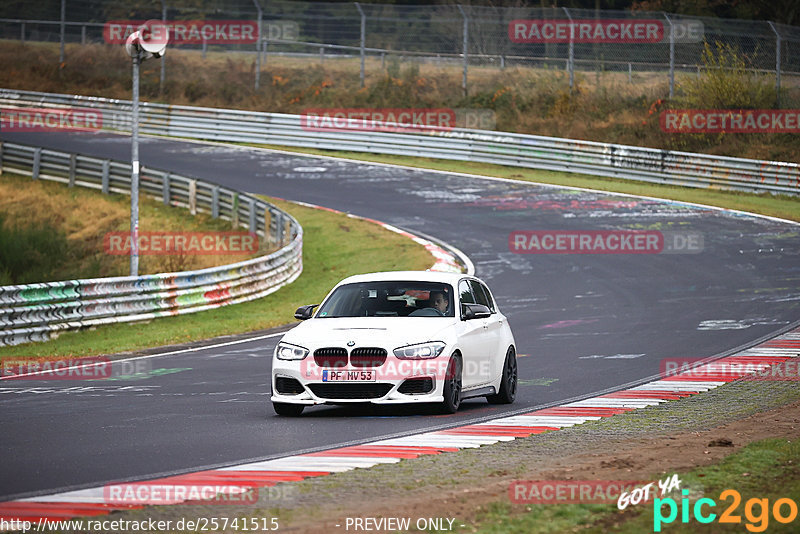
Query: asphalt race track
(583, 322)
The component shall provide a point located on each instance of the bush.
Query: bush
(29, 254)
(726, 83)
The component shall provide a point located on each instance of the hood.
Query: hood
(388, 332)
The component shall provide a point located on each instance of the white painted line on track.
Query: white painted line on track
(144, 357)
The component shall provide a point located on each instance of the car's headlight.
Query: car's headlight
(285, 351)
(420, 351)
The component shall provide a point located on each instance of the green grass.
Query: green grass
(782, 206)
(335, 246)
(54, 210)
(767, 469)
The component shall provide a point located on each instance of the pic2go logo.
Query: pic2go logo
(758, 520)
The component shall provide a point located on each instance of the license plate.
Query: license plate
(348, 376)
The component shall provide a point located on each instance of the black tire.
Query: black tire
(287, 410)
(452, 386)
(508, 384)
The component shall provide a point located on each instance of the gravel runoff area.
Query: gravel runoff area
(638, 445)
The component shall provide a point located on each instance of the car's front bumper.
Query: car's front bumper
(311, 387)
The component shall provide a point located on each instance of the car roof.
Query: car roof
(410, 276)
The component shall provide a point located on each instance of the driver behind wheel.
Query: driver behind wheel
(439, 301)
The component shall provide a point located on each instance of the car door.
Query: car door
(474, 342)
(493, 331)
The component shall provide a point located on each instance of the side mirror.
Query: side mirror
(474, 311)
(305, 312)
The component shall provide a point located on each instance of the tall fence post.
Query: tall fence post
(363, 39)
(464, 47)
(777, 64)
(671, 56)
(258, 44)
(63, 30)
(571, 61)
(83, 34)
(22, 32)
(163, 74)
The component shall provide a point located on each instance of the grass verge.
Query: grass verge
(335, 246)
(764, 470)
(782, 206)
(57, 210)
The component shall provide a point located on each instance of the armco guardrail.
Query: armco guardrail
(33, 312)
(538, 152)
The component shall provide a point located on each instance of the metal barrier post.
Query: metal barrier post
(165, 184)
(252, 217)
(105, 179)
(193, 197)
(73, 161)
(268, 225)
(215, 202)
(37, 163)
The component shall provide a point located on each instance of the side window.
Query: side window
(465, 292)
(480, 295)
(488, 297)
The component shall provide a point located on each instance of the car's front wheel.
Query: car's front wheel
(452, 386)
(508, 383)
(288, 410)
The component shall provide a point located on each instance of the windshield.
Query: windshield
(390, 299)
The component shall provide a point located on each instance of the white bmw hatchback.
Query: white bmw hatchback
(394, 338)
